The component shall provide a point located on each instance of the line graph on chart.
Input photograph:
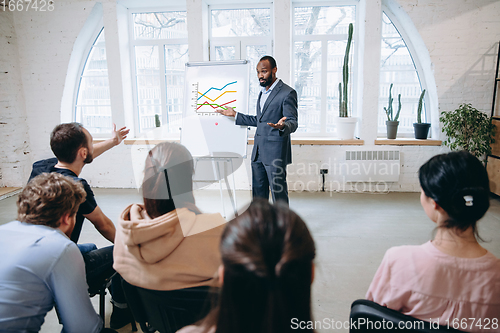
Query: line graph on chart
(206, 98)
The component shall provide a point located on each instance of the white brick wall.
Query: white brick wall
(461, 37)
(45, 42)
(14, 147)
(304, 173)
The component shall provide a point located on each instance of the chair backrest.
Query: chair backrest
(167, 311)
(368, 316)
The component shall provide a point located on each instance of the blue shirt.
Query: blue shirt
(41, 267)
(265, 93)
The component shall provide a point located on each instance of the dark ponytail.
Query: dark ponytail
(267, 253)
(458, 182)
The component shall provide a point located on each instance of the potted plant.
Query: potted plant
(158, 130)
(392, 121)
(421, 129)
(469, 129)
(345, 123)
(157, 120)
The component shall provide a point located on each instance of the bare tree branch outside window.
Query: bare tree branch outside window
(151, 98)
(320, 34)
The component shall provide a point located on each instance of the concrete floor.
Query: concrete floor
(351, 231)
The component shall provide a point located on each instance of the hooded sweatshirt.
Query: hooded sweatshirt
(174, 251)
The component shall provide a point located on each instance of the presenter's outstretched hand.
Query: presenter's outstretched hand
(229, 111)
(279, 125)
(118, 136)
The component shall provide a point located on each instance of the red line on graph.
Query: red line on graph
(205, 103)
(213, 107)
(227, 103)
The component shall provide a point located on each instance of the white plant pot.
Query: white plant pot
(346, 127)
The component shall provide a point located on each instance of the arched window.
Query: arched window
(398, 67)
(93, 105)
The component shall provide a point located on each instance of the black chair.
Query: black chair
(368, 316)
(167, 311)
(100, 289)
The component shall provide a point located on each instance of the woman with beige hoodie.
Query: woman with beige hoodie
(166, 243)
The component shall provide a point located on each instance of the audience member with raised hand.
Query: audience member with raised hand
(452, 278)
(74, 148)
(41, 267)
(166, 243)
(266, 273)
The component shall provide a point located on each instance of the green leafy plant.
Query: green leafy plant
(419, 108)
(343, 91)
(388, 110)
(157, 120)
(469, 129)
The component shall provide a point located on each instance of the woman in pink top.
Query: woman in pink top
(451, 279)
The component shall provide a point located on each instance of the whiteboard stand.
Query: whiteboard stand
(217, 161)
(206, 133)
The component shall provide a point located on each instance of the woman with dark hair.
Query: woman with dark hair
(451, 278)
(167, 244)
(266, 273)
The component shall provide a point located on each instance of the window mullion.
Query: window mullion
(160, 42)
(242, 45)
(163, 86)
(324, 76)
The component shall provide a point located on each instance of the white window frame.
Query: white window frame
(416, 63)
(241, 42)
(77, 117)
(324, 39)
(424, 72)
(81, 67)
(160, 43)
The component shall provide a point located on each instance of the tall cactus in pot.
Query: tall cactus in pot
(343, 90)
(388, 110)
(419, 108)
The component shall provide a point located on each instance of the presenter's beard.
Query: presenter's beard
(88, 159)
(267, 82)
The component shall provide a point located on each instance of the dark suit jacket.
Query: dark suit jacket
(271, 143)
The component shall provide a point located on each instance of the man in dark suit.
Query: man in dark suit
(276, 119)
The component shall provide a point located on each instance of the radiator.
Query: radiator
(370, 166)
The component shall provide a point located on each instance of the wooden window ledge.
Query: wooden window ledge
(310, 141)
(148, 141)
(407, 142)
(322, 142)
